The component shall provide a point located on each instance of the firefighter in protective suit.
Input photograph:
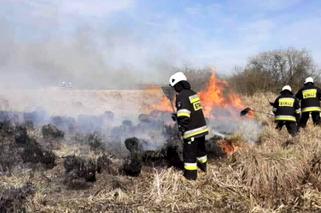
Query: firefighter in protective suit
(309, 96)
(286, 109)
(192, 125)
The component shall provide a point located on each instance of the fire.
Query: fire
(228, 147)
(213, 95)
(216, 95)
(164, 106)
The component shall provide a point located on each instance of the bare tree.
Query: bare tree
(269, 71)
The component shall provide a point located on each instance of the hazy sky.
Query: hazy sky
(142, 39)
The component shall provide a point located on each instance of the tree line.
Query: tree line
(269, 71)
(265, 72)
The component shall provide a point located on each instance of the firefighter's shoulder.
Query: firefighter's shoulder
(185, 94)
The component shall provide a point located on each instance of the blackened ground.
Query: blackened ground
(9, 157)
(6, 129)
(64, 123)
(80, 172)
(214, 151)
(132, 167)
(95, 142)
(18, 148)
(50, 131)
(20, 135)
(170, 155)
(34, 153)
(12, 199)
(104, 164)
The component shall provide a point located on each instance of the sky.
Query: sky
(140, 41)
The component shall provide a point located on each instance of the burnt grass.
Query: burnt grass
(79, 171)
(50, 131)
(22, 151)
(18, 148)
(264, 177)
(13, 199)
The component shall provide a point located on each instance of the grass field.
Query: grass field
(278, 174)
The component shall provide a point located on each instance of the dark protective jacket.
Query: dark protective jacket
(286, 107)
(309, 96)
(190, 115)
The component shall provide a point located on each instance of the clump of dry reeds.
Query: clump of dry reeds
(272, 177)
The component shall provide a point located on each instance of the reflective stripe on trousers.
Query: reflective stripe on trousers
(195, 132)
(190, 166)
(285, 118)
(202, 159)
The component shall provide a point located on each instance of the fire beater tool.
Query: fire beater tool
(246, 111)
(170, 94)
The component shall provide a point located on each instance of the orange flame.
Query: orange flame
(163, 106)
(217, 94)
(228, 147)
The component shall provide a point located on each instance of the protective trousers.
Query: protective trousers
(305, 117)
(291, 126)
(195, 157)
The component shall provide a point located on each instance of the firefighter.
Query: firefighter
(192, 125)
(309, 96)
(286, 109)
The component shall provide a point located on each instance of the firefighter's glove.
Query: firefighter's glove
(174, 116)
(181, 129)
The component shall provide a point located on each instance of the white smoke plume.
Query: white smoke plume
(48, 44)
(227, 121)
(43, 43)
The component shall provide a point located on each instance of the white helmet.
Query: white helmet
(308, 80)
(287, 87)
(177, 77)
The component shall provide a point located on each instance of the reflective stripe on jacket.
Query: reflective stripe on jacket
(286, 107)
(190, 114)
(309, 96)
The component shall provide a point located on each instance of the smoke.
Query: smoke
(150, 129)
(45, 43)
(47, 64)
(228, 121)
(115, 115)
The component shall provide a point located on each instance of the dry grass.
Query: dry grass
(281, 174)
